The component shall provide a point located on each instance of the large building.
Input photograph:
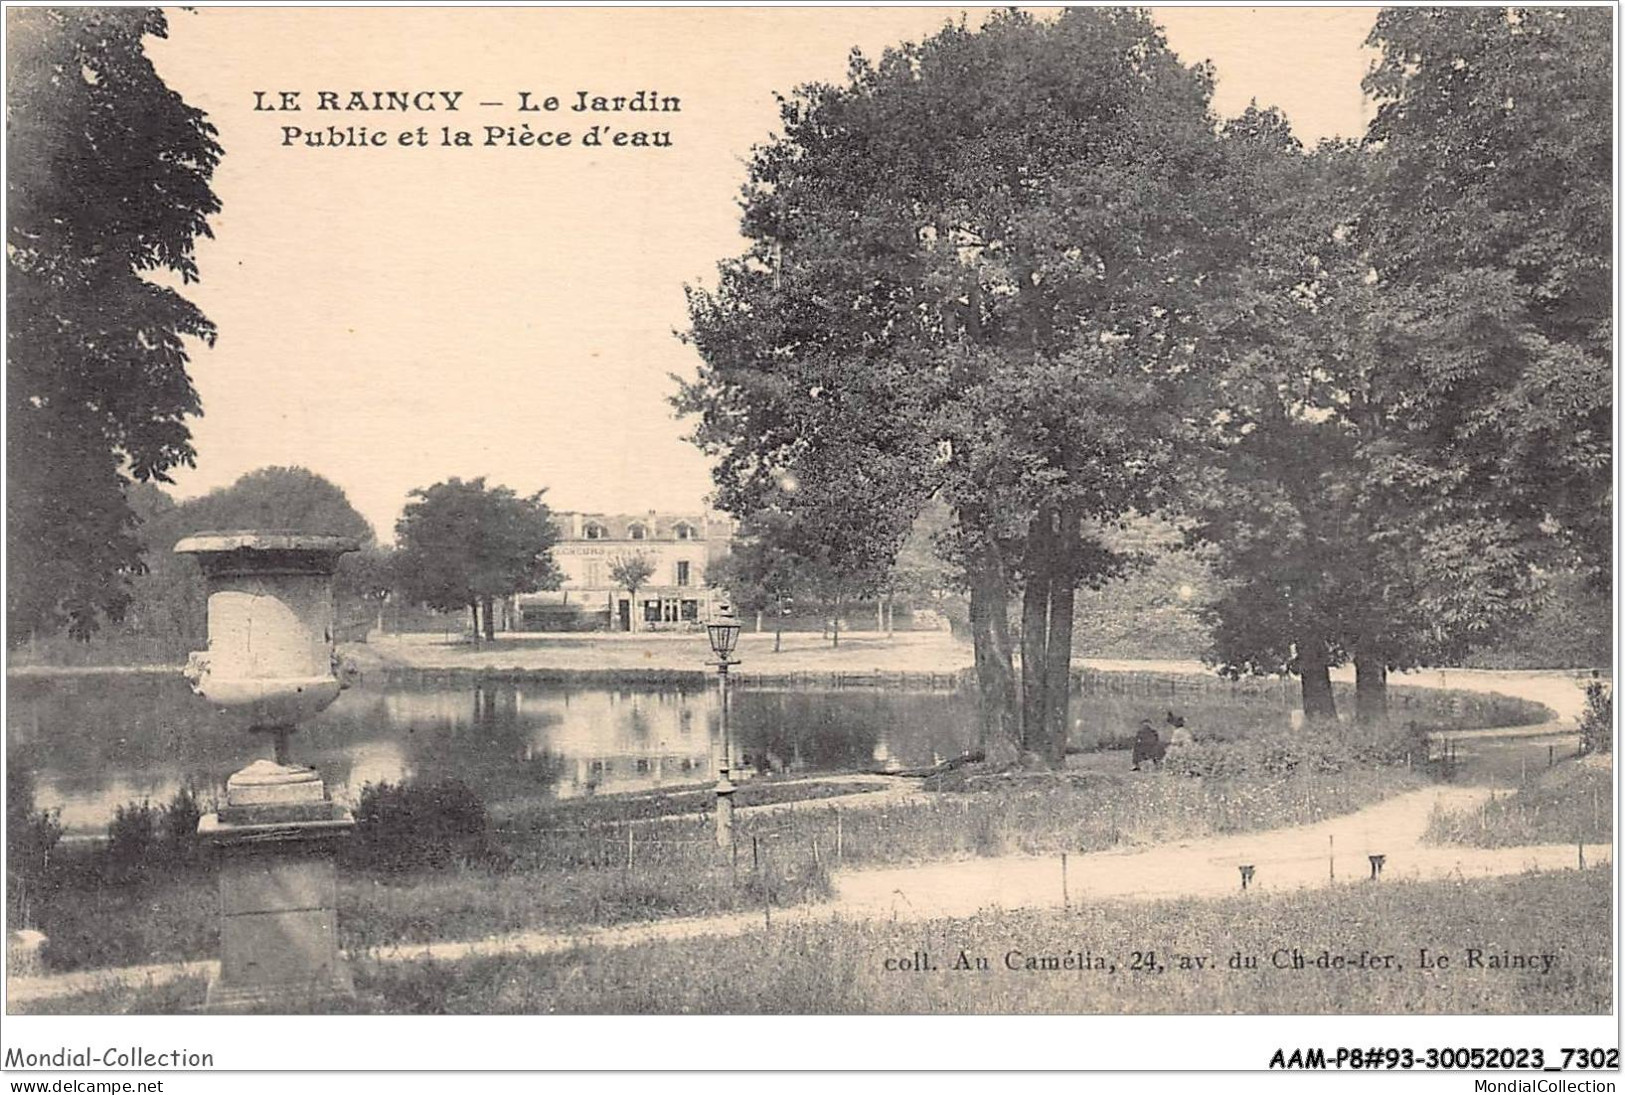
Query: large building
(681, 548)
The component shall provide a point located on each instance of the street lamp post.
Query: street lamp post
(723, 629)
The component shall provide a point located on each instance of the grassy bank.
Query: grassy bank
(546, 870)
(1562, 805)
(840, 967)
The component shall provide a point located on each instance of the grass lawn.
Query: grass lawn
(1572, 802)
(546, 871)
(842, 967)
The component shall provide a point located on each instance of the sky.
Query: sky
(393, 316)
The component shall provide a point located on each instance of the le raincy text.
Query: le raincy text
(525, 102)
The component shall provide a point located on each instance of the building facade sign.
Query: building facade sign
(680, 549)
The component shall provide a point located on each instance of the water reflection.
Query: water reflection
(94, 743)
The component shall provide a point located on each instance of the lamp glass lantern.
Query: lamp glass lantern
(723, 629)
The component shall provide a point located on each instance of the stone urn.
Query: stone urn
(272, 661)
(271, 654)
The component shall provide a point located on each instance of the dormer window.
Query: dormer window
(593, 531)
(638, 532)
(684, 530)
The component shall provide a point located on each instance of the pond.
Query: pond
(95, 742)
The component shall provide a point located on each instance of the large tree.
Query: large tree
(461, 543)
(166, 611)
(1287, 501)
(761, 573)
(289, 498)
(1414, 409)
(976, 270)
(1492, 237)
(107, 183)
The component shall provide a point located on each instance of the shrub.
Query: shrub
(142, 836)
(402, 826)
(31, 837)
(132, 836)
(1597, 721)
(1284, 751)
(178, 842)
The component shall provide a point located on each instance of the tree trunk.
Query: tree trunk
(1370, 689)
(1035, 636)
(1058, 660)
(1318, 704)
(758, 621)
(490, 621)
(995, 672)
(1046, 632)
(474, 615)
(632, 611)
(778, 635)
(880, 614)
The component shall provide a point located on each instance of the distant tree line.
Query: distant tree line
(164, 613)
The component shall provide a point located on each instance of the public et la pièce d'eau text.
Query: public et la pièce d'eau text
(580, 118)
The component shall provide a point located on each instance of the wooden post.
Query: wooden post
(1331, 857)
(1066, 898)
(840, 856)
(767, 900)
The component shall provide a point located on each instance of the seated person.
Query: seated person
(1147, 745)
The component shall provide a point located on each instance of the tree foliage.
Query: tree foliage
(1412, 419)
(1491, 221)
(631, 572)
(167, 606)
(461, 543)
(1286, 498)
(977, 270)
(108, 183)
(291, 499)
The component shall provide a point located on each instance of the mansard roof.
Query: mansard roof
(657, 526)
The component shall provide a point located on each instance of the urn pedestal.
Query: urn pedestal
(271, 660)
